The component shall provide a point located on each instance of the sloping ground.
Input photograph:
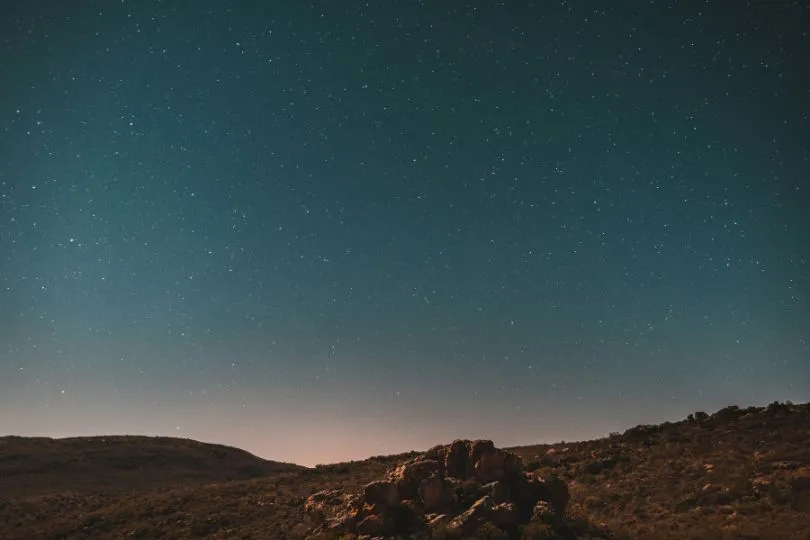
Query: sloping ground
(270, 507)
(739, 473)
(118, 464)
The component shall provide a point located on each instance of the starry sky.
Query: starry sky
(326, 230)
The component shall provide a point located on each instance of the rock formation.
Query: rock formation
(458, 487)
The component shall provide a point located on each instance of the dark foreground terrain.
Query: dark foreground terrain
(737, 473)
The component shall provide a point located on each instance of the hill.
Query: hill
(120, 464)
(737, 473)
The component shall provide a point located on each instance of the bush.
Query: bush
(488, 531)
(539, 531)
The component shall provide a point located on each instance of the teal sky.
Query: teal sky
(322, 231)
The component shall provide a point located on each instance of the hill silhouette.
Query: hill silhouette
(737, 473)
(120, 464)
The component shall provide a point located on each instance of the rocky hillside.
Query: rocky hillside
(464, 489)
(737, 473)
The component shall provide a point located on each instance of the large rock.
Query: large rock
(438, 520)
(495, 464)
(455, 461)
(531, 490)
(408, 476)
(504, 515)
(323, 504)
(381, 492)
(375, 525)
(459, 486)
(334, 510)
(414, 508)
(477, 459)
(435, 493)
(556, 494)
(499, 491)
(477, 450)
(468, 521)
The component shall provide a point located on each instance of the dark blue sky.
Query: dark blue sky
(330, 230)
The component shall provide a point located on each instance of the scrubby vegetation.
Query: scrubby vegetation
(737, 473)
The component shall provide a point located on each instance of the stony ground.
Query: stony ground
(739, 473)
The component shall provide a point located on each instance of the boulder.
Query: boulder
(499, 491)
(495, 465)
(435, 493)
(374, 525)
(477, 459)
(477, 449)
(531, 490)
(455, 461)
(408, 476)
(468, 521)
(460, 486)
(504, 515)
(324, 504)
(381, 492)
(437, 520)
(556, 494)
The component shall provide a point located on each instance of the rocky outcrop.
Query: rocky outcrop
(458, 487)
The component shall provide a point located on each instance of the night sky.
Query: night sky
(323, 231)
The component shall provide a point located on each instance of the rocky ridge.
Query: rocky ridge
(456, 488)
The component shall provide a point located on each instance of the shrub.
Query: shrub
(488, 531)
(539, 531)
(532, 466)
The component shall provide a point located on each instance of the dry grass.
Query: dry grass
(737, 474)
